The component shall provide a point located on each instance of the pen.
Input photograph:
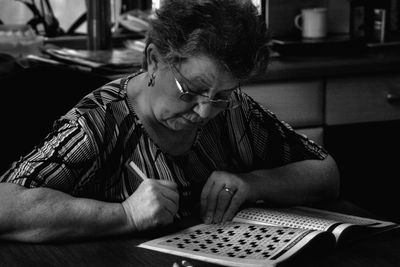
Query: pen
(139, 172)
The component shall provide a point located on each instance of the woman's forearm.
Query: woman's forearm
(42, 214)
(298, 183)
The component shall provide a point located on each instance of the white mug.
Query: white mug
(312, 22)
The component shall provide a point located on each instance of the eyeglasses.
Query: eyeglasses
(225, 101)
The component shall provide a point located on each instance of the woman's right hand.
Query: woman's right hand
(154, 203)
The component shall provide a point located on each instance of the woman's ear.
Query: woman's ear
(152, 57)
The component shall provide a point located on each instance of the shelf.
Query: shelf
(80, 41)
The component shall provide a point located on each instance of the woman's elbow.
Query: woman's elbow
(332, 179)
(16, 217)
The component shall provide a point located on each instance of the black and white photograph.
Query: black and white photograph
(200, 133)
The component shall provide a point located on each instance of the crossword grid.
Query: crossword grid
(235, 240)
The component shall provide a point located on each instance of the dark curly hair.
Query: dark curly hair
(229, 31)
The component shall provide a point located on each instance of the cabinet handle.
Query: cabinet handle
(393, 97)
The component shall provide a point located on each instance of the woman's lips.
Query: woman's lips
(198, 122)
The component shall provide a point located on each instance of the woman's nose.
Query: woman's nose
(204, 109)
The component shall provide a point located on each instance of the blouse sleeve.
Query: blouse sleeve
(265, 141)
(60, 161)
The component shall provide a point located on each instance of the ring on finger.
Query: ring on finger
(230, 191)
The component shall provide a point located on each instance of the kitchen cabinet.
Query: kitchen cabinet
(353, 110)
(363, 99)
(362, 129)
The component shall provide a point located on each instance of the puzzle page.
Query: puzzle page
(235, 244)
(289, 217)
(343, 218)
(306, 218)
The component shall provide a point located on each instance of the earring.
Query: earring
(152, 80)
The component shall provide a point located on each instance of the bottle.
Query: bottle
(380, 24)
(358, 21)
(99, 24)
(369, 20)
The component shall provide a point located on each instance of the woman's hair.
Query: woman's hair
(229, 31)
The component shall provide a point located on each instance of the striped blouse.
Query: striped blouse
(87, 152)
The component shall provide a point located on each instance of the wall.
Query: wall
(339, 16)
(66, 11)
(281, 13)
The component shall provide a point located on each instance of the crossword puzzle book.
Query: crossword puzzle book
(264, 237)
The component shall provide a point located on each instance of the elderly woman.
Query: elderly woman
(206, 147)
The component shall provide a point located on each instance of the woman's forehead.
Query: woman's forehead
(206, 70)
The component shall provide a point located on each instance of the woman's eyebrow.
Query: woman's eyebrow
(198, 79)
(193, 82)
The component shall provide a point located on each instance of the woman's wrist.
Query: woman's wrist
(129, 224)
(255, 187)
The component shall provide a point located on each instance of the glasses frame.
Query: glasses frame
(217, 103)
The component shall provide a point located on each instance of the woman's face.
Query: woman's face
(199, 75)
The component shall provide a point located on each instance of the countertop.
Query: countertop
(371, 61)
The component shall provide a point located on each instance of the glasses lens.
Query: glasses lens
(188, 97)
(220, 104)
(225, 102)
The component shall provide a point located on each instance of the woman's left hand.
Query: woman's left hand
(222, 196)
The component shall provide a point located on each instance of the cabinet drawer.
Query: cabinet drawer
(362, 99)
(298, 103)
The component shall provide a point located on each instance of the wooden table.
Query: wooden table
(382, 250)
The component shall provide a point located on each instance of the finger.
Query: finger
(170, 199)
(167, 210)
(171, 205)
(167, 183)
(234, 205)
(166, 197)
(224, 199)
(172, 195)
(168, 189)
(167, 216)
(212, 202)
(204, 195)
(164, 217)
